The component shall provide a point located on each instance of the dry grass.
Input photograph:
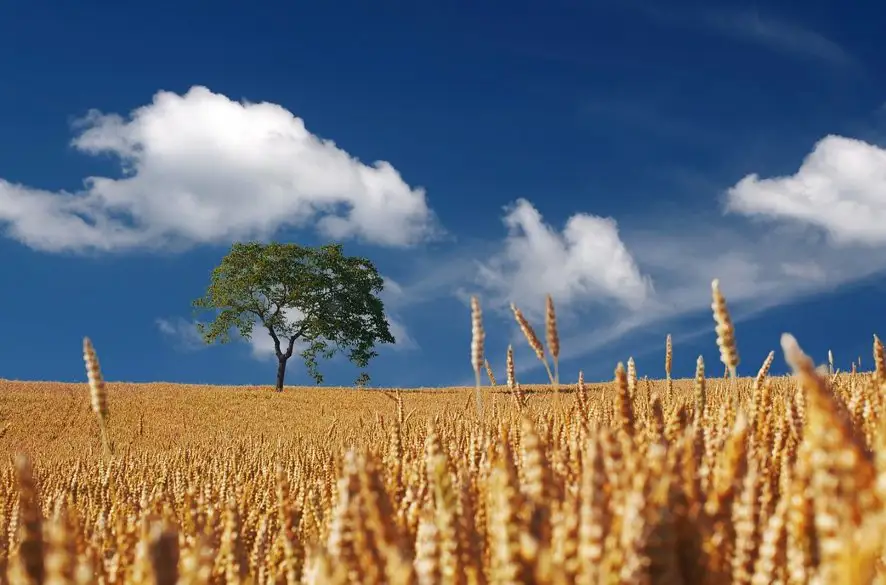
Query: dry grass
(740, 480)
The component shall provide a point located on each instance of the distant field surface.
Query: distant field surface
(634, 481)
(52, 419)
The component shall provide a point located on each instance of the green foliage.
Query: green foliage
(362, 380)
(316, 296)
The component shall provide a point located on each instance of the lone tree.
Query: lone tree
(318, 297)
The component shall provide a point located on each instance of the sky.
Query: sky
(615, 155)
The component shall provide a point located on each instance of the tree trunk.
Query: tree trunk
(281, 373)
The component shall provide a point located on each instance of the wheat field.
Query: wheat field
(739, 480)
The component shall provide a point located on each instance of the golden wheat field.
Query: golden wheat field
(709, 480)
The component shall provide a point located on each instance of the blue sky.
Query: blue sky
(615, 154)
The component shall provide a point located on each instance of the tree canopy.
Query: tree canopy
(313, 297)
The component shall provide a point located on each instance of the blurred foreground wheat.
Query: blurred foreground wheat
(740, 480)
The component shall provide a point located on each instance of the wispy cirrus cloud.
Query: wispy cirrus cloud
(181, 332)
(751, 26)
(778, 240)
(777, 34)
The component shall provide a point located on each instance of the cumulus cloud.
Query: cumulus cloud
(758, 271)
(587, 261)
(607, 270)
(202, 168)
(840, 188)
(829, 233)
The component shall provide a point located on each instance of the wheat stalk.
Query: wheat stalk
(478, 337)
(509, 367)
(98, 393)
(532, 339)
(553, 339)
(669, 359)
(725, 335)
(489, 373)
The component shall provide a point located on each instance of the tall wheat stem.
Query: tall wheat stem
(477, 361)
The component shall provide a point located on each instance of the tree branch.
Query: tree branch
(276, 339)
(296, 335)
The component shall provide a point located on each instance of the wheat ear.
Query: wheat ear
(669, 360)
(553, 339)
(532, 338)
(725, 335)
(490, 374)
(879, 360)
(31, 545)
(477, 338)
(509, 366)
(98, 393)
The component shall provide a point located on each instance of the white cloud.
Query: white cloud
(586, 262)
(201, 168)
(758, 272)
(183, 333)
(840, 188)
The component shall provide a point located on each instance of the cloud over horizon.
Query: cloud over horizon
(838, 188)
(585, 262)
(201, 168)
